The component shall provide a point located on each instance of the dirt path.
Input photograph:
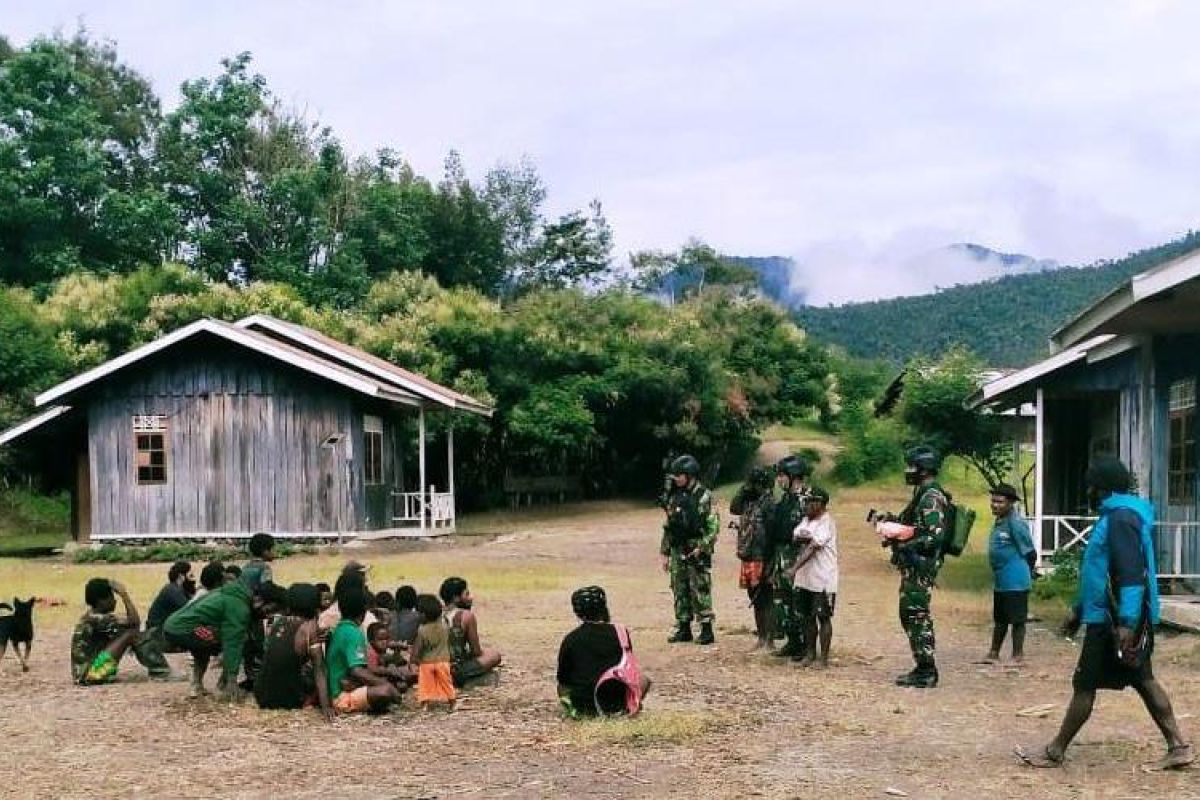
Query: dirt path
(720, 723)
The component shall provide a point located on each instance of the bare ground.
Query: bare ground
(719, 722)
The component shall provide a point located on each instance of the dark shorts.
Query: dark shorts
(466, 671)
(1098, 667)
(815, 604)
(1010, 608)
(201, 640)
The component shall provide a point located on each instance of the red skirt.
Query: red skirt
(751, 574)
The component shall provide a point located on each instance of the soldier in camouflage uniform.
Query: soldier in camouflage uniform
(919, 559)
(792, 473)
(753, 504)
(689, 536)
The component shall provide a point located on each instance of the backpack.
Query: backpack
(959, 520)
(619, 688)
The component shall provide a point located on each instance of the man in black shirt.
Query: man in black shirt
(587, 652)
(181, 585)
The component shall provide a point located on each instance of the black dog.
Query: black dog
(18, 629)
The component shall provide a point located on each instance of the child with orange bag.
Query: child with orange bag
(431, 656)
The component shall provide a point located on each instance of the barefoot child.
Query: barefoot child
(431, 655)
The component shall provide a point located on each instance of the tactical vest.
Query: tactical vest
(683, 517)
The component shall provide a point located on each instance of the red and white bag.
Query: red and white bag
(626, 676)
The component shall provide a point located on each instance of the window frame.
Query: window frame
(150, 426)
(373, 468)
(1181, 443)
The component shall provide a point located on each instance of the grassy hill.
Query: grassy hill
(1006, 321)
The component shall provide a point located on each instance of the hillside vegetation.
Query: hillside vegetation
(1005, 321)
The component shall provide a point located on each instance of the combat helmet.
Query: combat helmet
(685, 465)
(923, 457)
(793, 467)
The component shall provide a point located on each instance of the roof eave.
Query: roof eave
(32, 424)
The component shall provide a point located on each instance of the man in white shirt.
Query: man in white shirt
(816, 576)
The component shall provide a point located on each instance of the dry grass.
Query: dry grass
(667, 727)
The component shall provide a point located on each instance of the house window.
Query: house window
(150, 436)
(373, 450)
(1181, 443)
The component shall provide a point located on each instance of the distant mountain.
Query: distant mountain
(1006, 321)
(1011, 262)
(957, 263)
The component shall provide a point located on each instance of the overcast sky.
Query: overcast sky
(854, 137)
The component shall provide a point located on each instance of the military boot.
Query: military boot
(706, 634)
(919, 678)
(683, 633)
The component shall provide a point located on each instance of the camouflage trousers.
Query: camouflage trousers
(917, 621)
(149, 649)
(784, 597)
(786, 617)
(691, 584)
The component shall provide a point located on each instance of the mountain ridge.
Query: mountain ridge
(1006, 321)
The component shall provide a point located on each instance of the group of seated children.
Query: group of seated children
(342, 650)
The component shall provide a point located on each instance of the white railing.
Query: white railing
(1172, 541)
(435, 508)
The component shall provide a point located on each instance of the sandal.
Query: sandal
(1177, 757)
(1039, 760)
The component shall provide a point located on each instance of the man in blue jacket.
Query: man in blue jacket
(1117, 577)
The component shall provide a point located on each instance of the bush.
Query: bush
(870, 447)
(178, 551)
(1062, 581)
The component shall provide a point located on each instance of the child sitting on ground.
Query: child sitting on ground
(352, 686)
(431, 656)
(101, 637)
(380, 655)
(384, 607)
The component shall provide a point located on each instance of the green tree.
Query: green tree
(466, 241)
(77, 186)
(572, 251)
(935, 393)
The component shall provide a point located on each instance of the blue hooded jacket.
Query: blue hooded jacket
(1092, 601)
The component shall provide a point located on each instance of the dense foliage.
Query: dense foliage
(94, 176)
(119, 223)
(1006, 321)
(930, 411)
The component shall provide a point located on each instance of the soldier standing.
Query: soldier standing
(753, 504)
(919, 558)
(689, 536)
(792, 474)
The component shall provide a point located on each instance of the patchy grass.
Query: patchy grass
(21, 544)
(648, 728)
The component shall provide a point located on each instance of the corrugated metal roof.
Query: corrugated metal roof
(363, 362)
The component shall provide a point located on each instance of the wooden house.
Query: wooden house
(220, 430)
(1121, 380)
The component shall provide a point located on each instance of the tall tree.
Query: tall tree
(77, 187)
(466, 241)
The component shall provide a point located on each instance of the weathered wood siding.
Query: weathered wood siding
(244, 448)
(1175, 358)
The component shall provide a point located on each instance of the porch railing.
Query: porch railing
(434, 507)
(1173, 541)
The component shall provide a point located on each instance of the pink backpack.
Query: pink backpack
(626, 675)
